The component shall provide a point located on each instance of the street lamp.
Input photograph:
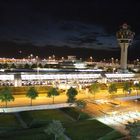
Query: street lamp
(38, 68)
(38, 73)
(91, 58)
(62, 58)
(114, 70)
(116, 60)
(50, 58)
(36, 57)
(20, 54)
(137, 61)
(53, 56)
(36, 60)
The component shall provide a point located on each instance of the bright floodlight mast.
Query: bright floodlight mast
(125, 37)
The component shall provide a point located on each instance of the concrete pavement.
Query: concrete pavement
(36, 107)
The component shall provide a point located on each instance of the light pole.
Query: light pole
(112, 60)
(36, 61)
(62, 58)
(137, 61)
(31, 55)
(91, 58)
(38, 68)
(116, 61)
(125, 37)
(53, 56)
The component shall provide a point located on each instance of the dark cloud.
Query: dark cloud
(85, 24)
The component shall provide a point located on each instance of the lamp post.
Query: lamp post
(91, 58)
(31, 55)
(38, 68)
(112, 60)
(137, 61)
(125, 37)
(53, 57)
(62, 58)
(36, 58)
(20, 54)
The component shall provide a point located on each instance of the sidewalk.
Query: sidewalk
(129, 98)
(23, 124)
(37, 107)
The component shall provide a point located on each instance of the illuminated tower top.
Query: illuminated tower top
(125, 35)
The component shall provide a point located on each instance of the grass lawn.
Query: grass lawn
(27, 134)
(76, 130)
(111, 136)
(74, 113)
(90, 130)
(81, 130)
(8, 121)
(43, 117)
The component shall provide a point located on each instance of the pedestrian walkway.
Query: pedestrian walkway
(23, 124)
(37, 107)
(128, 98)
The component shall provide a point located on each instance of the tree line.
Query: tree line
(27, 66)
(6, 94)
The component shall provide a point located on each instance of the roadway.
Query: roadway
(114, 113)
(111, 111)
(22, 100)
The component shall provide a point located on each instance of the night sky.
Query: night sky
(83, 25)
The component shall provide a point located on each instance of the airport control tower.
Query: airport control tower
(125, 37)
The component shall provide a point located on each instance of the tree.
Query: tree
(126, 88)
(71, 93)
(27, 66)
(112, 89)
(13, 66)
(94, 88)
(137, 87)
(1, 66)
(47, 66)
(40, 65)
(109, 69)
(20, 66)
(80, 105)
(32, 94)
(6, 95)
(55, 128)
(34, 66)
(5, 66)
(134, 129)
(52, 93)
